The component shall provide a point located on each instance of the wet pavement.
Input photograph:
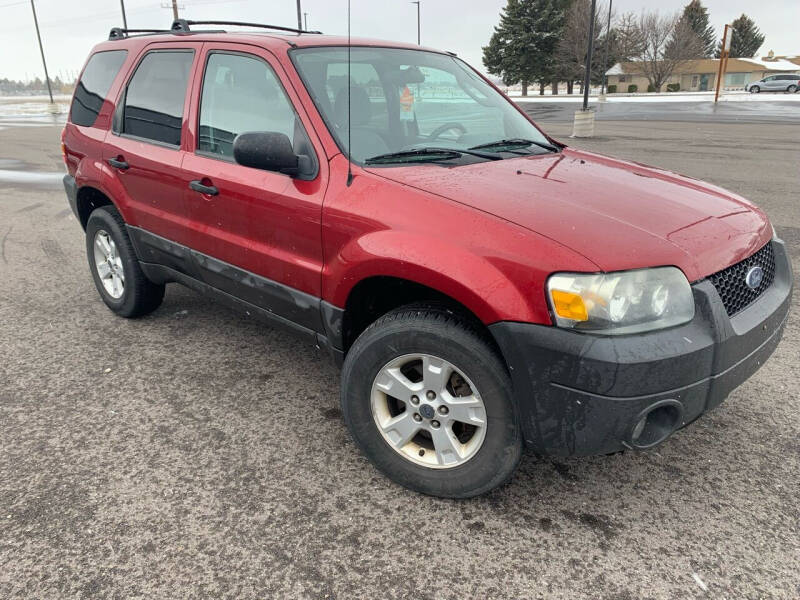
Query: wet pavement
(776, 111)
(195, 453)
(14, 171)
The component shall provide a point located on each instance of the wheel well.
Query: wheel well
(90, 198)
(372, 298)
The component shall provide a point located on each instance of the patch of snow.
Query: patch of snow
(700, 582)
(773, 65)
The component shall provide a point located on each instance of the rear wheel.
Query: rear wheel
(754, 89)
(430, 403)
(791, 89)
(115, 269)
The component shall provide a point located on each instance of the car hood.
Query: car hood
(618, 214)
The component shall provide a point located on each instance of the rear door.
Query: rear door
(789, 80)
(145, 147)
(259, 235)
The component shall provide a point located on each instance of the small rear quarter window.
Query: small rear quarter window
(95, 82)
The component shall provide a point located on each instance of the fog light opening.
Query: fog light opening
(656, 423)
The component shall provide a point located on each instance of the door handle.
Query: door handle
(198, 186)
(118, 164)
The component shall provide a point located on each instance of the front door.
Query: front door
(771, 83)
(703, 83)
(143, 150)
(257, 233)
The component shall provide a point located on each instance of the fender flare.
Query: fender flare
(448, 268)
(97, 175)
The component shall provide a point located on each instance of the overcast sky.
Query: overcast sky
(71, 27)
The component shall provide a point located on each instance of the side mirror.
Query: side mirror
(270, 151)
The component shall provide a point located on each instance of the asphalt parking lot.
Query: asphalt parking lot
(196, 454)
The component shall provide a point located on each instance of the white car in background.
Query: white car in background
(775, 83)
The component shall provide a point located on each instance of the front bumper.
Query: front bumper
(583, 394)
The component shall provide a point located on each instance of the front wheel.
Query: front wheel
(430, 403)
(754, 89)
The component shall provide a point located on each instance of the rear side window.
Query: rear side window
(95, 82)
(155, 96)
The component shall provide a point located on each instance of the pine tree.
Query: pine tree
(746, 40)
(522, 47)
(696, 15)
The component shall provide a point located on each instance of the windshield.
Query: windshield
(406, 100)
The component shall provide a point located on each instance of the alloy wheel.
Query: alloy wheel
(109, 264)
(428, 411)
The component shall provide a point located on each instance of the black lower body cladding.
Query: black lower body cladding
(71, 188)
(583, 394)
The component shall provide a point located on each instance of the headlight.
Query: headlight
(622, 302)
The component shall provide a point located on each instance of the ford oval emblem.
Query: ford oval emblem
(754, 277)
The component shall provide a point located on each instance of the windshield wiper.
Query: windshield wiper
(430, 154)
(515, 143)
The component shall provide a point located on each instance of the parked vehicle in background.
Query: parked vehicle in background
(485, 287)
(775, 83)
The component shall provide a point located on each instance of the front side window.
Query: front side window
(413, 101)
(240, 94)
(155, 96)
(90, 93)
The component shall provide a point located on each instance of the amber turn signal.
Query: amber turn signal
(569, 305)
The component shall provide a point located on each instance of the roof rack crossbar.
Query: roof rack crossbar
(181, 25)
(118, 33)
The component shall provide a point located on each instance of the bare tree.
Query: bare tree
(573, 44)
(668, 43)
(627, 37)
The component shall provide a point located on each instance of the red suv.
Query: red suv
(485, 287)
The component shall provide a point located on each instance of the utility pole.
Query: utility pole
(587, 76)
(299, 16)
(583, 125)
(605, 51)
(41, 50)
(723, 59)
(305, 21)
(175, 9)
(419, 42)
(124, 18)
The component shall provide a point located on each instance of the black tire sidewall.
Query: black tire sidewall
(499, 454)
(102, 219)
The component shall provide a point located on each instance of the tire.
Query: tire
(135, 295)
(481, 463)
(791, 89)
(754, 89)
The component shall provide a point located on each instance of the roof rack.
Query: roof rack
(183, 25)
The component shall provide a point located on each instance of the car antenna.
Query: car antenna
(349, 126)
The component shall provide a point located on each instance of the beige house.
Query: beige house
(701, 75)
